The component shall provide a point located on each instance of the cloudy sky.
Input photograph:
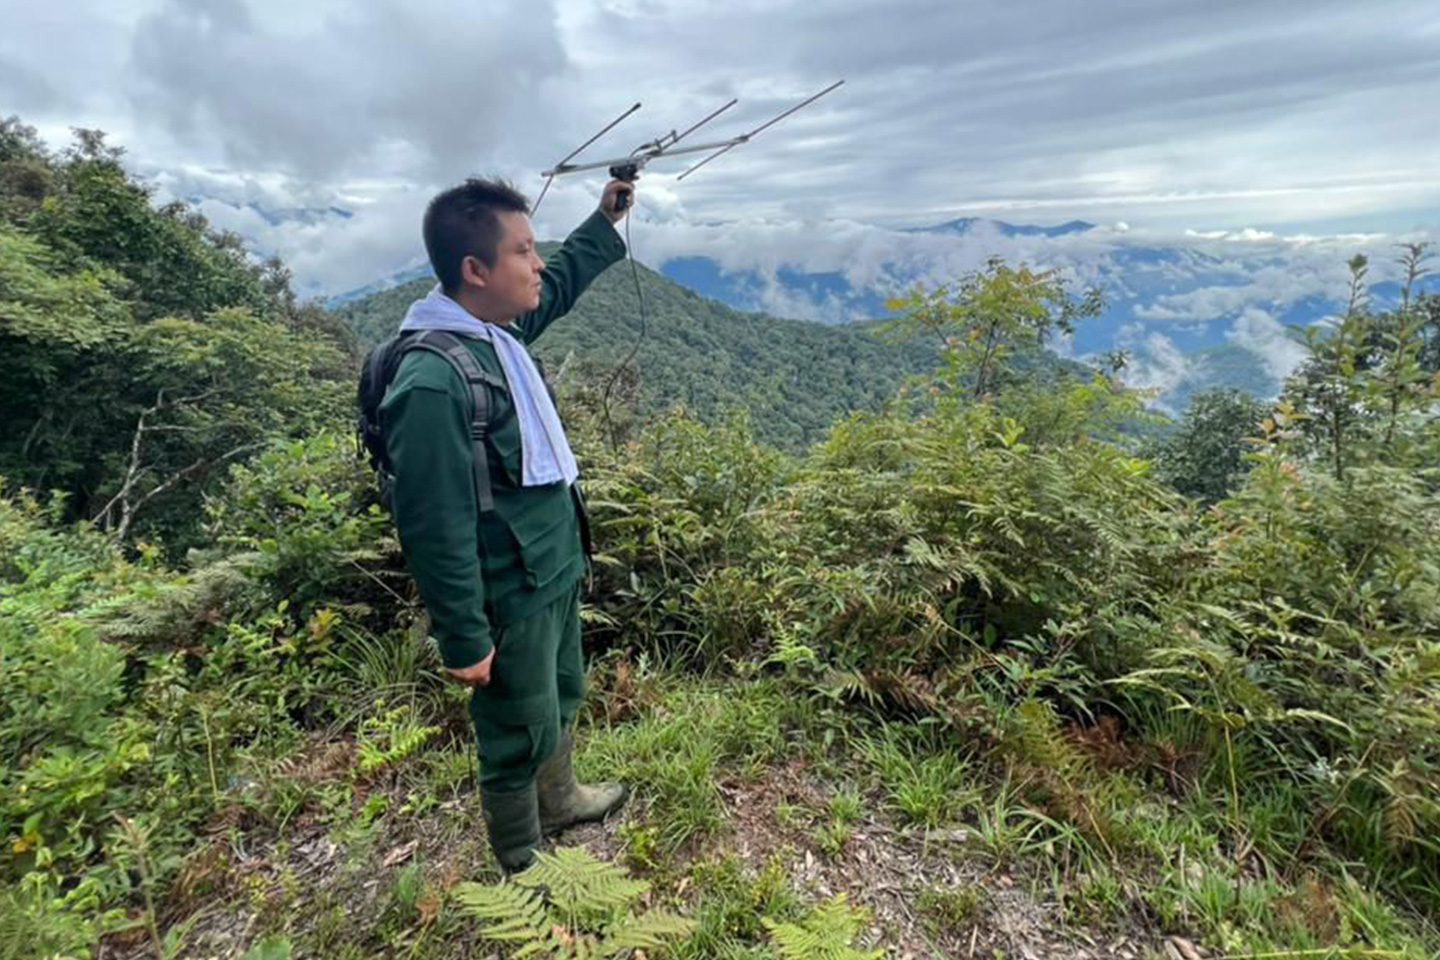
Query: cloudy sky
(1173, 118)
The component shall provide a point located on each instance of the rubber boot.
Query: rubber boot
(563, 802)
(512, 818)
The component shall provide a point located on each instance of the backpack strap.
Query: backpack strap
(477, 379)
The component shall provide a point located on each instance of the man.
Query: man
(502, 584)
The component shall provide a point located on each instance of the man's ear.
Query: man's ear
(474, 272)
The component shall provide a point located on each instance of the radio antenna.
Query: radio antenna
(628, 168)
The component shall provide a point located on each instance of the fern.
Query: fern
(827, 934)
(570, 905)
(174, 610)
(390, 739)
(645, 932)
(580, 885)
(517, 913)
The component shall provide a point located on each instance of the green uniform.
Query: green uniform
(507, 579)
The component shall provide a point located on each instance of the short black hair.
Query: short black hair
(464, 221)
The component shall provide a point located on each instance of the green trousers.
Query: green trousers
(536, 684)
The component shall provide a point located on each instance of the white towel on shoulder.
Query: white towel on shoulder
(545, 453)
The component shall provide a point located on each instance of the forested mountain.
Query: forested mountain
(795, 377)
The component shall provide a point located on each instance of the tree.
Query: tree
(56, 332)
(1427, 305)
(989, 315)
(213, 392)
(175, 265)
(1204, 458)
(1366, 373)
(138, 348)
(26, 170)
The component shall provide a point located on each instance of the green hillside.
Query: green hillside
(796, 378)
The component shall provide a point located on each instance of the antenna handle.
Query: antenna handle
(628, 173)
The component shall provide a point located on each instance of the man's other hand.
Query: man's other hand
(613, 191)
(474, 676)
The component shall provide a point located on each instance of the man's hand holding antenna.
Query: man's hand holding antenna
(618, 197)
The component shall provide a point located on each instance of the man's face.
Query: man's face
(512, 285)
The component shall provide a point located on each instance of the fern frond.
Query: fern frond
(579, 884)
(827, 934)
(646, 932)
(517, 913)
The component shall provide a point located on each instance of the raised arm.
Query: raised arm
(592, 247)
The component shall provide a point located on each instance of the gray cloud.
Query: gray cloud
(28, 88)
(1291, 116)
(951, 105)
(387, 88)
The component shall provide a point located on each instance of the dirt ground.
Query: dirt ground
(305, 882)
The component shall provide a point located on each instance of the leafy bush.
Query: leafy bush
(69, 750)
(304, 509)
(141, 692)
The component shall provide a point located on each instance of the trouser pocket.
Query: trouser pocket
(513, 738)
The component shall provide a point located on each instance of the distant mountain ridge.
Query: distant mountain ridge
(965, 225)
(1190, 315)
(398, 279)
(796, 377)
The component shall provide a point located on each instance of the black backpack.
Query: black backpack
(379, 368)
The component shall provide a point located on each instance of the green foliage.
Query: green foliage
(141, 353)
(26, 170)
(926, 788)
(135, 691)
(269, 948)
(303, 508)
(64, 752)
(45, 308)
(221, 390)
(987, 316)
(1369, 386)
(388, 739)
(52, 325)
(570, 905)
(1205, 457)
(32, 925)
(827, 934)
(970, 566)
(674, 760)
(95, 212)
(1306, 641)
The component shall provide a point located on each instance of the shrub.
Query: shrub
(304, 509)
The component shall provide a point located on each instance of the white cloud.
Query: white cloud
(1257, 331)
(1255, 122)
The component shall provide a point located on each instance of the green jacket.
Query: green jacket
(480, 572)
